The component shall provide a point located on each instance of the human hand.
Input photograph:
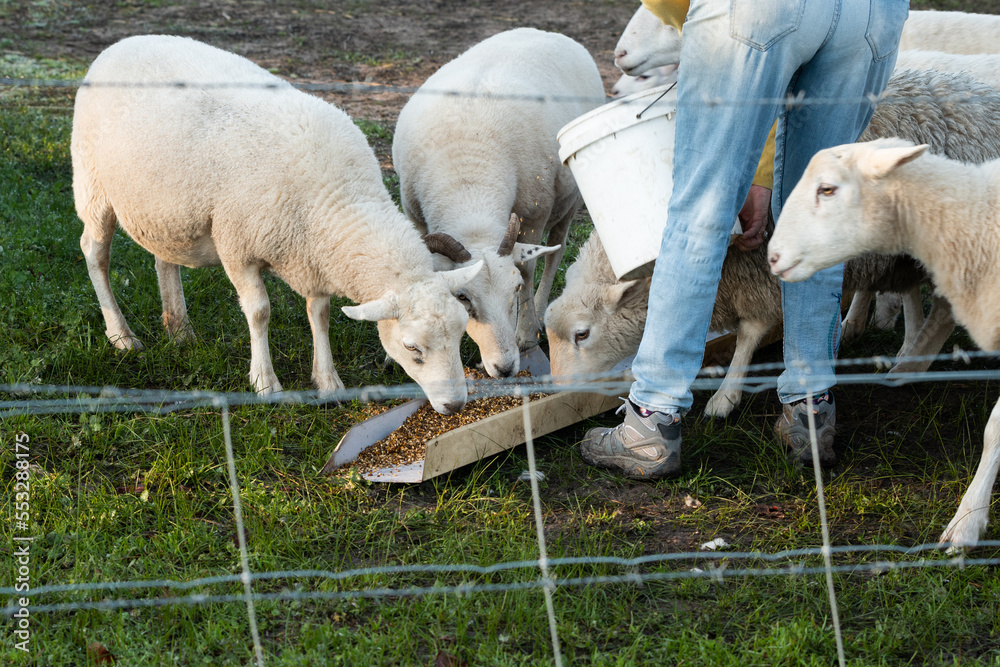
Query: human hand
(753, 218)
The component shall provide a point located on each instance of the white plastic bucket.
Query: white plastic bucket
(621, 155)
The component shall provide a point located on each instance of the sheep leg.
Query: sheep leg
(557, 234)
(913, 316)
(857, 316)
(930, 338)
(257, 308)
(749, 334)
(175, 318)
(887, 305)
(324, 374)
(95, 242)
(968, 524)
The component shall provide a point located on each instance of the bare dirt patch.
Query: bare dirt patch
(395, 42)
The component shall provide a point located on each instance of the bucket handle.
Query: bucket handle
(639, 115)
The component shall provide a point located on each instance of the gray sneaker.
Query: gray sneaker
(642, 447)
(792, 428)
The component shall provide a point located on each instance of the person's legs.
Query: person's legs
(721, 129)
(854, 62)
(737, 60)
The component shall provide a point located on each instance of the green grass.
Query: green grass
(126, 496)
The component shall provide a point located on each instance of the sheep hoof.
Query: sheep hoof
(126, 341)
(183, 336)
(328, 387)
(721, 405)
(963, 531)
(266, 386)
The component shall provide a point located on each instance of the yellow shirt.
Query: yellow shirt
(673, 12)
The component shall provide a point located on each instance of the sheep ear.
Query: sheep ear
(625, 293)
(456, 279)
(882, 161)
(373, 311)
(524, 252)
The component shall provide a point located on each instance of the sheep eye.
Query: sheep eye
(826, 190)
(581, 335)
(410, 347)
(462, 297)
(642, 77)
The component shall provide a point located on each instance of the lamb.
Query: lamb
(257, 176)
(483, 167)
(596, 323)
(951, 32)
(891, 196)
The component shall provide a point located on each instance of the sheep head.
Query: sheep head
(421, 327)
(596, 322)
(492, 298)
(842, 207)
(647, 42)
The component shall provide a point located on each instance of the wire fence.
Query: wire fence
(357, 88)
(41, 399)
(715, 565)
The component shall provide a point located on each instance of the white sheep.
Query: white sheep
(890, 196)
(596, 322)
(951, 32)
(240, 169)
(647, 42)
(483, 166)
(658, 76)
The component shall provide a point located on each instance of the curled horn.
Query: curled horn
(513, 229)
(446, 245)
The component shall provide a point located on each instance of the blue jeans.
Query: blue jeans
(749, 55)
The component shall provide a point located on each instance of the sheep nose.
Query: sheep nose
(504, 371)
(620, 53)
(773, 258)
(453, 406)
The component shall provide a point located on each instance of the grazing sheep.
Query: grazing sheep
(593, 307)
(483, 167)
(254, 176)
(951, 32)
(890, 196)
(658, 76)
